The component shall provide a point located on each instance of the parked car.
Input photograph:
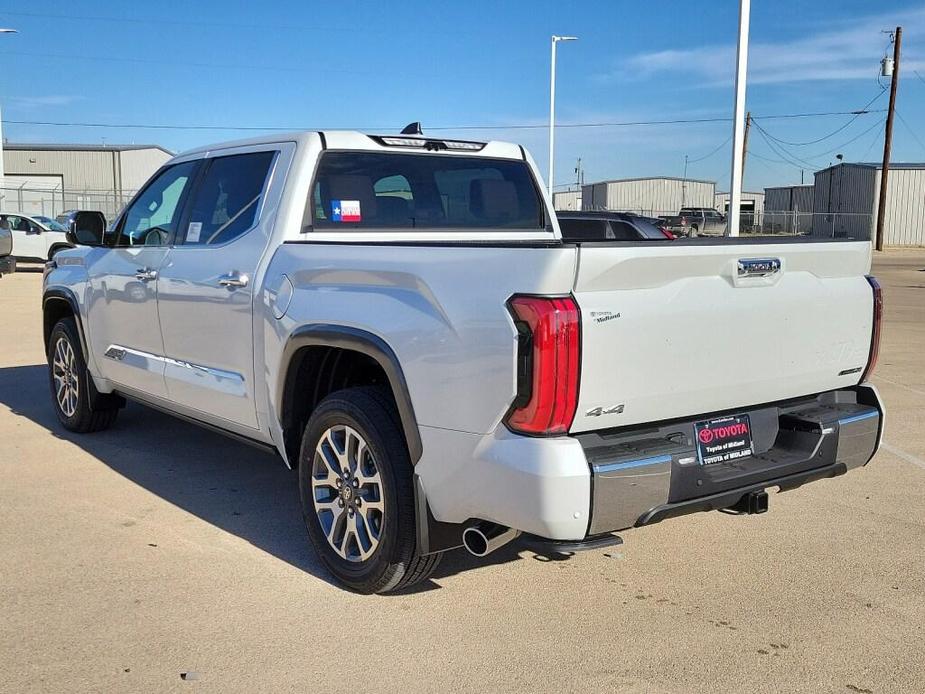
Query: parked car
(611, 226)
(65, 218)
(49, 223)
(694, 221)
(7, 261)
(401, 319)
(32, 239)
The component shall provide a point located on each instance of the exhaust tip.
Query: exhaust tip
(484, 538)
(475, 541)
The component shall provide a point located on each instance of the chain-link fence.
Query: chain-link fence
(53, 201)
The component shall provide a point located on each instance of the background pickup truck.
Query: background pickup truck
(399, 318)
(694, 221)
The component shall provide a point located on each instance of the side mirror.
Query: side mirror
(87, 229)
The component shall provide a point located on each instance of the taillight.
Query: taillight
(549, 331)
(875, 333)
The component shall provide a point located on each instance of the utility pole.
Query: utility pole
(684, 184)
(888, 138)
(738, 134)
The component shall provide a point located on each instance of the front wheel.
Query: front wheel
(355, 481)
(71, 388)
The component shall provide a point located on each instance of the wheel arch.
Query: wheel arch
(342, 339)
(58, 303)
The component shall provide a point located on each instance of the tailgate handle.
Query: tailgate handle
(758, 267)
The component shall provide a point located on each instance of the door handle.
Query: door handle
(145, 274)
(233, 279)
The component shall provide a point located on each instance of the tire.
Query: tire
(370, 515)
(77, 404)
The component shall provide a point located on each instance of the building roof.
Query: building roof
(795, 185)
(896, 165)
(652, 178)
(64, 147)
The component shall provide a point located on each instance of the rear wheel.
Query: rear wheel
(72, 390)
(355, 482)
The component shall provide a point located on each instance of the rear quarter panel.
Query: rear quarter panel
(440, 308)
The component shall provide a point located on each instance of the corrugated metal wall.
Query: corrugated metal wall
(722, 199)
(81, 170)
(904, 222)
(788, 209)
(844, 201)
(567, 200)
(139, 164)
(651, 196)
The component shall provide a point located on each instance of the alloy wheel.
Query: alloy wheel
(64, 372)
(347, 493)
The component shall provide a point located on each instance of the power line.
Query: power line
(778, 149)
(909, 128)
(707, 156)
(516, 126)
(851, 120)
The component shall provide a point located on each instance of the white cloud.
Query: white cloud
(850, 51)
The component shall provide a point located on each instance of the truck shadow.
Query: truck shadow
(237, 488)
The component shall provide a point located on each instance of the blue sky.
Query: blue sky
(369, 65)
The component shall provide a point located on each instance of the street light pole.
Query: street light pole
(2, 170)
(552, 107)
(738, 123)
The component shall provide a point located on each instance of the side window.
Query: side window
(583, 229)
(623, 231)
(226, 201)
(152, 218)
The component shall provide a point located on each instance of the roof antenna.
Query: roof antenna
(412, 129)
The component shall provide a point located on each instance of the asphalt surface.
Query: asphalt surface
(160, 557)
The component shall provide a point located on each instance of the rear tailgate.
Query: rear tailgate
(679, 330)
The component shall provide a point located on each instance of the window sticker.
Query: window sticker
(193, 231)
(345, 211)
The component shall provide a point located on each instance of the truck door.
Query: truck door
(123, 326)
(206, 287)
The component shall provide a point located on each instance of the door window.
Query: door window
(152, 218)
(226, 202)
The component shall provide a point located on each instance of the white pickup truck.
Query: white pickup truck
(399, 319)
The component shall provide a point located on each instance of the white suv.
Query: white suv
(34, 238)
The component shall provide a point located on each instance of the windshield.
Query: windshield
(50, 224)
(362, 190)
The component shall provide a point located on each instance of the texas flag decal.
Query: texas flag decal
(345, 211)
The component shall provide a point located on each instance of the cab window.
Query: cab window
(152, 218)
(227, 199)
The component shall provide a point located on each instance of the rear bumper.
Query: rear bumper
(579, 488)
(643, 477)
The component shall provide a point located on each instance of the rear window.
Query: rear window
(373, 190)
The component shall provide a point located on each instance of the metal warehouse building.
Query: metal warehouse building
(650, 196)
(789, 209)
(846, 198)
(50, 178)
(750, 211)
(569, 200)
